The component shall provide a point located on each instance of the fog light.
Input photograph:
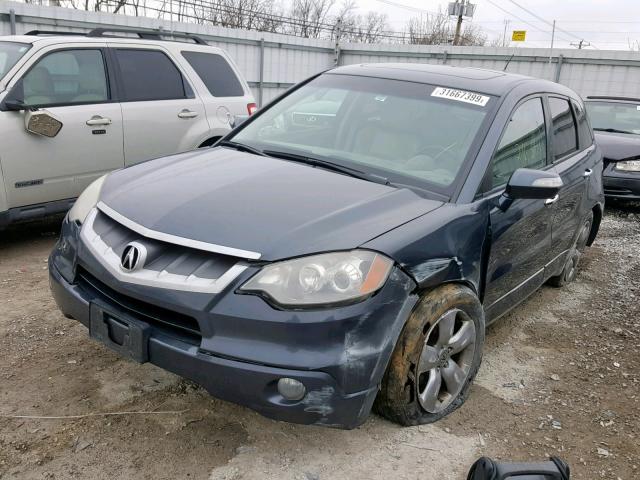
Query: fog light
(291, 389)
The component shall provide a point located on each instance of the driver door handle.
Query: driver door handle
(186, 113)
(98, 120)
(588, 172)
(551, 201)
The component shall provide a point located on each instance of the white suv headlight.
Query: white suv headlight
(325, 279)
(86, 201)
(628, 166)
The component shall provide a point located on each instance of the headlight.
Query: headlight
(329, 278)
(86, 201)
(628, 166)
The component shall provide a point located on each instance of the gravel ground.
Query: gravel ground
(561, 376)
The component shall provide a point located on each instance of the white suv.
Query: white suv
(73, 107)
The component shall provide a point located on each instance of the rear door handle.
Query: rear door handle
(551, 201)
(186, 113)
(588, 172)
(98, 120)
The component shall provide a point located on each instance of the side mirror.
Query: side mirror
(41, 122)
(526, 183)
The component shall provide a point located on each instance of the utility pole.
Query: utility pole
(553, 35)
(336, 51)
(456, 38)
(504, 34)
(460, 9)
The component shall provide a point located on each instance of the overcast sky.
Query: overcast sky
(606, 24)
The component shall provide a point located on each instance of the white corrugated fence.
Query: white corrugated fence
(272, 62)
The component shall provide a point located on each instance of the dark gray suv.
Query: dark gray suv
(308, 267)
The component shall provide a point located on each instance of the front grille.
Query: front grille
(175, 324)
(163, 256)
(163, 264)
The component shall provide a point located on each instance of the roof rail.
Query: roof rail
(145, 34)
(604, 97)
(159, 35)
(51, 32)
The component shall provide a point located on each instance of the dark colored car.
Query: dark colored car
(616, 122)
(308, 269)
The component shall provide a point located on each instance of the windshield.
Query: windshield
(10, 53)
(615, 116)
(410, 133)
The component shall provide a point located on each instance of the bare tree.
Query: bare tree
(309, 18)
(437, 29)
(430, 29)
(304, 18)
(367, 28)
(472, 35)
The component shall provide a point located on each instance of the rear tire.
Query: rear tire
(570, 269)
(436, 358)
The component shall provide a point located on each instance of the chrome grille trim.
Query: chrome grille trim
(163, 279)
(167, 237)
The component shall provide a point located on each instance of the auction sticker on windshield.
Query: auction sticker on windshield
(460, 96)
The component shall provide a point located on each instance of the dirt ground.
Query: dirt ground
(561, 376)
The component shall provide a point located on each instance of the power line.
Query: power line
(311, 25)
(521, 19)
(407, 7)
(569, 21)
(544, 20)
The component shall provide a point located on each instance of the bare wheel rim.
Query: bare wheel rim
(446, 360)
(583, 238)
(571, 269)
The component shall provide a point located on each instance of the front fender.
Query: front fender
(443, 246)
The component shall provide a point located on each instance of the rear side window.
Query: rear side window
(565, 138)
(216, 73)
(149, 75)
(585, 136)
(523, 144)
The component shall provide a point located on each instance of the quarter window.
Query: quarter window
(149, 75)
(523, 144)
(66, 77)
(216, 73)
(585, 136)
(565, 138)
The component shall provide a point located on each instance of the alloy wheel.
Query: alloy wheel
(445, 360)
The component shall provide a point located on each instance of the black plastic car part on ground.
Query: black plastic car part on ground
(346, 246)
(616, 122)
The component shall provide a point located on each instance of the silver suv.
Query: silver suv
(73, 107)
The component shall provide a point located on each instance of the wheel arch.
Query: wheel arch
(595, 226)
(210, 141)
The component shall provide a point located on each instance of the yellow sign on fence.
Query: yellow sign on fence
(519, 35)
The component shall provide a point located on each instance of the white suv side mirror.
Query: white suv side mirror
(42, 122)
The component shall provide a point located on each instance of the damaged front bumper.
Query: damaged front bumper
(242, 346)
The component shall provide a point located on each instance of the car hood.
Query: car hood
(618, 146)
(272, 207)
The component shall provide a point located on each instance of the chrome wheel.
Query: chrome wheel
(446, 360)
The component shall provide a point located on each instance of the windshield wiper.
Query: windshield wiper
(242, 147)
(614, 130)
(318, 162)
(315, 162)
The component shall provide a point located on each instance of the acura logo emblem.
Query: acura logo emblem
(133, 257)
